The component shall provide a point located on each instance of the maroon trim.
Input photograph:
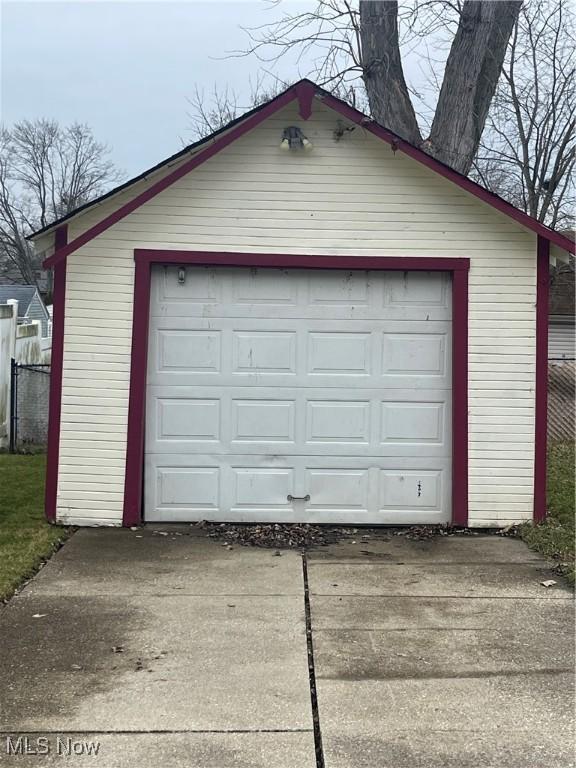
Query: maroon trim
(55, 396)
(305, 91)
(162, 184)
(541, 414)
(460, 397)
(144, 258)
(448, 173)
(137, 403)
(297, 261)
(61, 236)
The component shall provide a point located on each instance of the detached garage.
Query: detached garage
(300, 318)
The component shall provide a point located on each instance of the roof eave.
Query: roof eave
(304, 91)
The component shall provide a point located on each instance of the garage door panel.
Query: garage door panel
(340, 288)
(413, 289)
(412, 422)
(281, 293)
(341, 490)
(189, 351)
(264, 352)
(342, 422)
(263, 421)
(194, 488)
(412, 489)
(256, 286)
(191, 419)
(340, 354)
(200, 287)
(414, 355)
(333, 489)
(294, 395)
(271, 420)
(262, 487)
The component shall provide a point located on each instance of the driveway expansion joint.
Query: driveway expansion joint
(153, 731)
(311, 670)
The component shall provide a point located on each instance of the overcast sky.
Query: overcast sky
(125, 68)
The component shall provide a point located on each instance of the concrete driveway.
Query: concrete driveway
(173, 650)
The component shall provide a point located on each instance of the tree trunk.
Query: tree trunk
(470, 78)
(383, 75)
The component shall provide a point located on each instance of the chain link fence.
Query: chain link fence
(29, 396)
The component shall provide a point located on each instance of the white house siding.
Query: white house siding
(352, 197)
(561, 338)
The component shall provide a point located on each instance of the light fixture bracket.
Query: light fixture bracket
(293, 138)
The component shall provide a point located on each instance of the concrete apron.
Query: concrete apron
(447, 653)
(167, 650)
(175, 651)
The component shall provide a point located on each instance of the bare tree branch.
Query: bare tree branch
(531, 125)
(46, 171)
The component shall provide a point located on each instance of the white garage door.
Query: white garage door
(298, 395)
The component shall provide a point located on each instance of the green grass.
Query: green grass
(555, 536)
(26, 539)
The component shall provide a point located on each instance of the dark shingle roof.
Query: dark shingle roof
(22, 293)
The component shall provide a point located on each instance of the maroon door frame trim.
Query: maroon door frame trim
(460, 396)
(55, 396)
(144, 258)
(541, 394)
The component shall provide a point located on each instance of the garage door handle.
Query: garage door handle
(298, 498)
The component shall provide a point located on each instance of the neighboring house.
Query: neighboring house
(254, 332)
(30, 305)
(561, 335)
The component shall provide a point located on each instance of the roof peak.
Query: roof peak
(303, 91)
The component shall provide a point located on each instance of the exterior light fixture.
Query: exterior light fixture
(293, 138)
(181, 276)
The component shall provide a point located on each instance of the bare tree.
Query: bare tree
(348, 41)
(46, 171)
(213, 110)
(528, 152)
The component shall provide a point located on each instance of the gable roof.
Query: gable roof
(304, 92)
(22, 293)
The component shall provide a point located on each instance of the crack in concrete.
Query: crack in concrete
(158, 731)
(311, 670)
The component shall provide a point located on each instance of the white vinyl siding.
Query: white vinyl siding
(351, 197)
(561, 338)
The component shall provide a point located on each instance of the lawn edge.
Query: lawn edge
(39, 563)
